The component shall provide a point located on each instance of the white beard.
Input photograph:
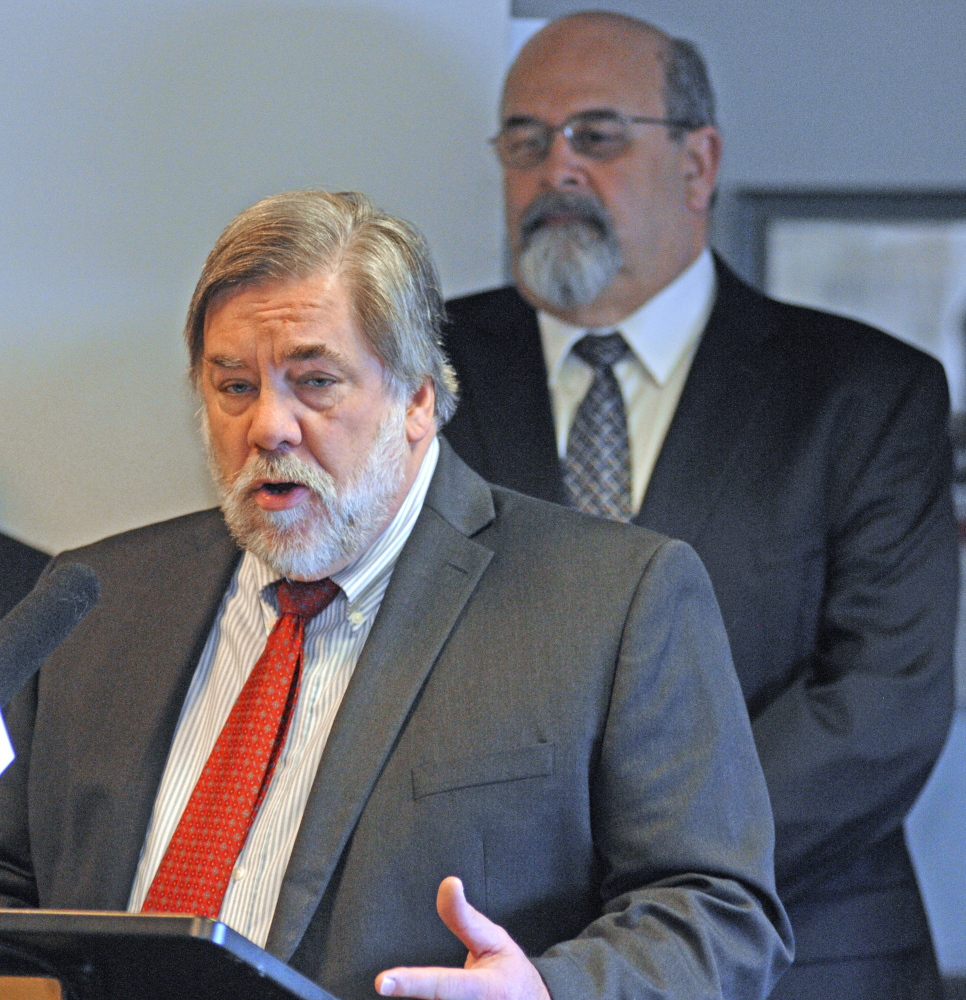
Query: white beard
(337, 521)
(568, 265)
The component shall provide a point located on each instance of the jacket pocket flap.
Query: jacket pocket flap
(508, 765)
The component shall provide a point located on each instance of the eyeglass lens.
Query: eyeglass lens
(599, 135)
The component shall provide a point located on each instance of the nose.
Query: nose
(564, 169)
(274, 423)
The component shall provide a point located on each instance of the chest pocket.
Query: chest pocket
(534, 761)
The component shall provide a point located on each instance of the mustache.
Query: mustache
(282, 468)
(588, 210)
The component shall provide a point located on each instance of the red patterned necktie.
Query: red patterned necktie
(194, 872)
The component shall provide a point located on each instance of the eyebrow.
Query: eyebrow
(512, 120)
(304, 352)
(309, 352)
(223, 361)
(520, 120)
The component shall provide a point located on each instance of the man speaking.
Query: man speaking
(372, 687)
(630, 374)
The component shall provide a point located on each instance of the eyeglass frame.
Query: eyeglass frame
(566, 129)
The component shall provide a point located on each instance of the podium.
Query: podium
(74, 955)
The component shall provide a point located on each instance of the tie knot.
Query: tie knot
(601, 350)
(305, 599)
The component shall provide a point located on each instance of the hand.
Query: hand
(495, 968)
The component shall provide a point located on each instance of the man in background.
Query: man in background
(630, 373)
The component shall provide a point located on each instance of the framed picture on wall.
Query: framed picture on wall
(894, 259)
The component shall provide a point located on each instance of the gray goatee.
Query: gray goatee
(568, 265)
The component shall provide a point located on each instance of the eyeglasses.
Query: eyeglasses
(598, 135)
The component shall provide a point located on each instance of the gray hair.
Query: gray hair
(688, 95)
(395, 293)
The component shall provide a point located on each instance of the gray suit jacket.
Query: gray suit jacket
(545, 707)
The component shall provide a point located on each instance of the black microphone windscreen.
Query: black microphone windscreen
(36, 626)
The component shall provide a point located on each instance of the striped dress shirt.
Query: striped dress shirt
(333, 643)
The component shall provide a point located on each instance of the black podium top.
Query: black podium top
(135, 956)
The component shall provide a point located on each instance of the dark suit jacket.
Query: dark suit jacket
(545, 706)
(808, 465)
(20, 565)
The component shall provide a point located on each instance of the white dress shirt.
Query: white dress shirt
(663, 336)
(332, 645)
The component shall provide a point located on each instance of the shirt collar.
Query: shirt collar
(659, 333)
(375, 564)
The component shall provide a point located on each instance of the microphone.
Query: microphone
(33, 629)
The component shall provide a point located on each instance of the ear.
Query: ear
(702, 158)
(421, 413)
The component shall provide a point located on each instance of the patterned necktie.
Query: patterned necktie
(597, 470)
(194, 872)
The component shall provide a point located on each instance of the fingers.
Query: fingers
(429, 983)
(495, 969)
(480, 935)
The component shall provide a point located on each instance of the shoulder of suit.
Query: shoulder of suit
(15, 552)
(497, 306)
(550, 521)
(563, 549)
(811, 338)
(487, 297)
(20, 565)
(174, 537)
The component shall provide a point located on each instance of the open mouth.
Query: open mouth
(280, 496)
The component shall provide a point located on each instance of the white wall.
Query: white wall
(130, 133)
(858, 92)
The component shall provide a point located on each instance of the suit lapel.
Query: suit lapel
(723, 393)
(152, 671)
(437, 572)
